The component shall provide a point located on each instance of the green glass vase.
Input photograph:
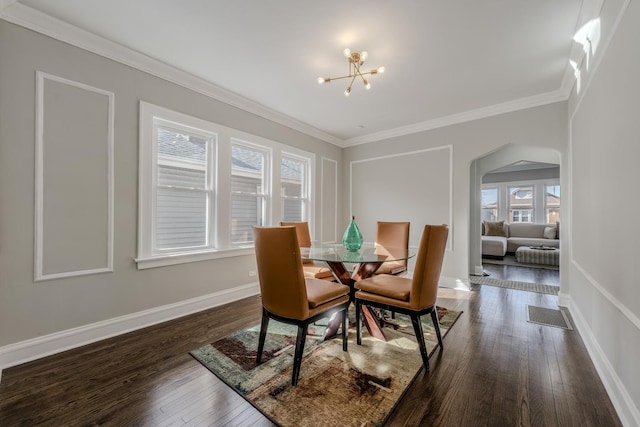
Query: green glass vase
(352, 238)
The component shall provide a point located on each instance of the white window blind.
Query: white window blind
(248, 195)
(294, 188)
(183, 189)
(183, 193)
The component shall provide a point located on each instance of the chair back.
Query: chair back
(424, 285)
(302, 231)
(282, 283)
(393, 235)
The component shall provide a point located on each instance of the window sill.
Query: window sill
(183, 258)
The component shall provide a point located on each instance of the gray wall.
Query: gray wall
(544, 126)
(30, 309)
(604, 152)
(524, 175)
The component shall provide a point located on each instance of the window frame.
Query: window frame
(265, 197)
(208, 191)
(306, 186)
(497, 208)
(219, 215)
(539, 205)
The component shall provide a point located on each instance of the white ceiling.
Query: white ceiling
(443, 58)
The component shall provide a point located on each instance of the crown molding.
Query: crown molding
(27, 17)
(467, 116)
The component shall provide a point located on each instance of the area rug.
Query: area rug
(513, 284)
(355, 388)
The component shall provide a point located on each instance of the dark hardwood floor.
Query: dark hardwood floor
(521, 273)
(496, 370)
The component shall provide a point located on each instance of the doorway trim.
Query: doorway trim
(504, 156)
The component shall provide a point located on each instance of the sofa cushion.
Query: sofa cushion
(494, 246)
(550, 233)
(494, 229)
(514, 243)
(525, 229)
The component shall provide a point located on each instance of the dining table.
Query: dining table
(349, 267)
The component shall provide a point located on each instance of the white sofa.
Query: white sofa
(519, 234)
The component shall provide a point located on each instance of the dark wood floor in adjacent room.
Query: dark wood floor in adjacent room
(496, 370)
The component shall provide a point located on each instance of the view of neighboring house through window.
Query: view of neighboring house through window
(489, 203)
(248, 195)
(552, 209)
(521, 204)
(536, 201)
(184, 192)
(294, 188)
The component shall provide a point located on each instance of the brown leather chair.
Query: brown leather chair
(289, 297)
(393, 235)
(413, 297)
(311, 268)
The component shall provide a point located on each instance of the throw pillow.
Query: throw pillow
(550, 232)
(494, 229)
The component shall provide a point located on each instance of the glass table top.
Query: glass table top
(335, 252)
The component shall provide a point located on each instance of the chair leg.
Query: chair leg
(436, 325)
(345, 329)
(358, 322)
(297, 357)
(263, 334)
(417, 327)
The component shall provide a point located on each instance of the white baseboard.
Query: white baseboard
(36, 348)
(454, 283)
(620, 398)
(447, 282)
(564, 300)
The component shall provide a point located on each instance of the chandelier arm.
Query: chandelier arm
(341, 77)
(359, 73)
(354, 77)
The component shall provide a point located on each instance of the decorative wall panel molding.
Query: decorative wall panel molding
(415, 186)
(329, 200)
(74, 178)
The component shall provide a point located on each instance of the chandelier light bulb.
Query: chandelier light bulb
(363, 56)
(347, 91)
(322, 80)
(347, 52)
(380, 70)
(367, 85)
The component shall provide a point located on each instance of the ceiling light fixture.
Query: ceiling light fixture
(356, 59)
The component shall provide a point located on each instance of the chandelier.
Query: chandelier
(356, 59)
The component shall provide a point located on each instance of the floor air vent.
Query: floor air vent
(547, 317)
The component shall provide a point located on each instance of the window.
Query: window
(521, 204)
(294, 188)
(182, 215)
(535, 201)
(203, 187)
(521, 215)
(248, 195)
(552, 202)
(489, 201)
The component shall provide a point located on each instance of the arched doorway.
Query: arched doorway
(507, 155)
